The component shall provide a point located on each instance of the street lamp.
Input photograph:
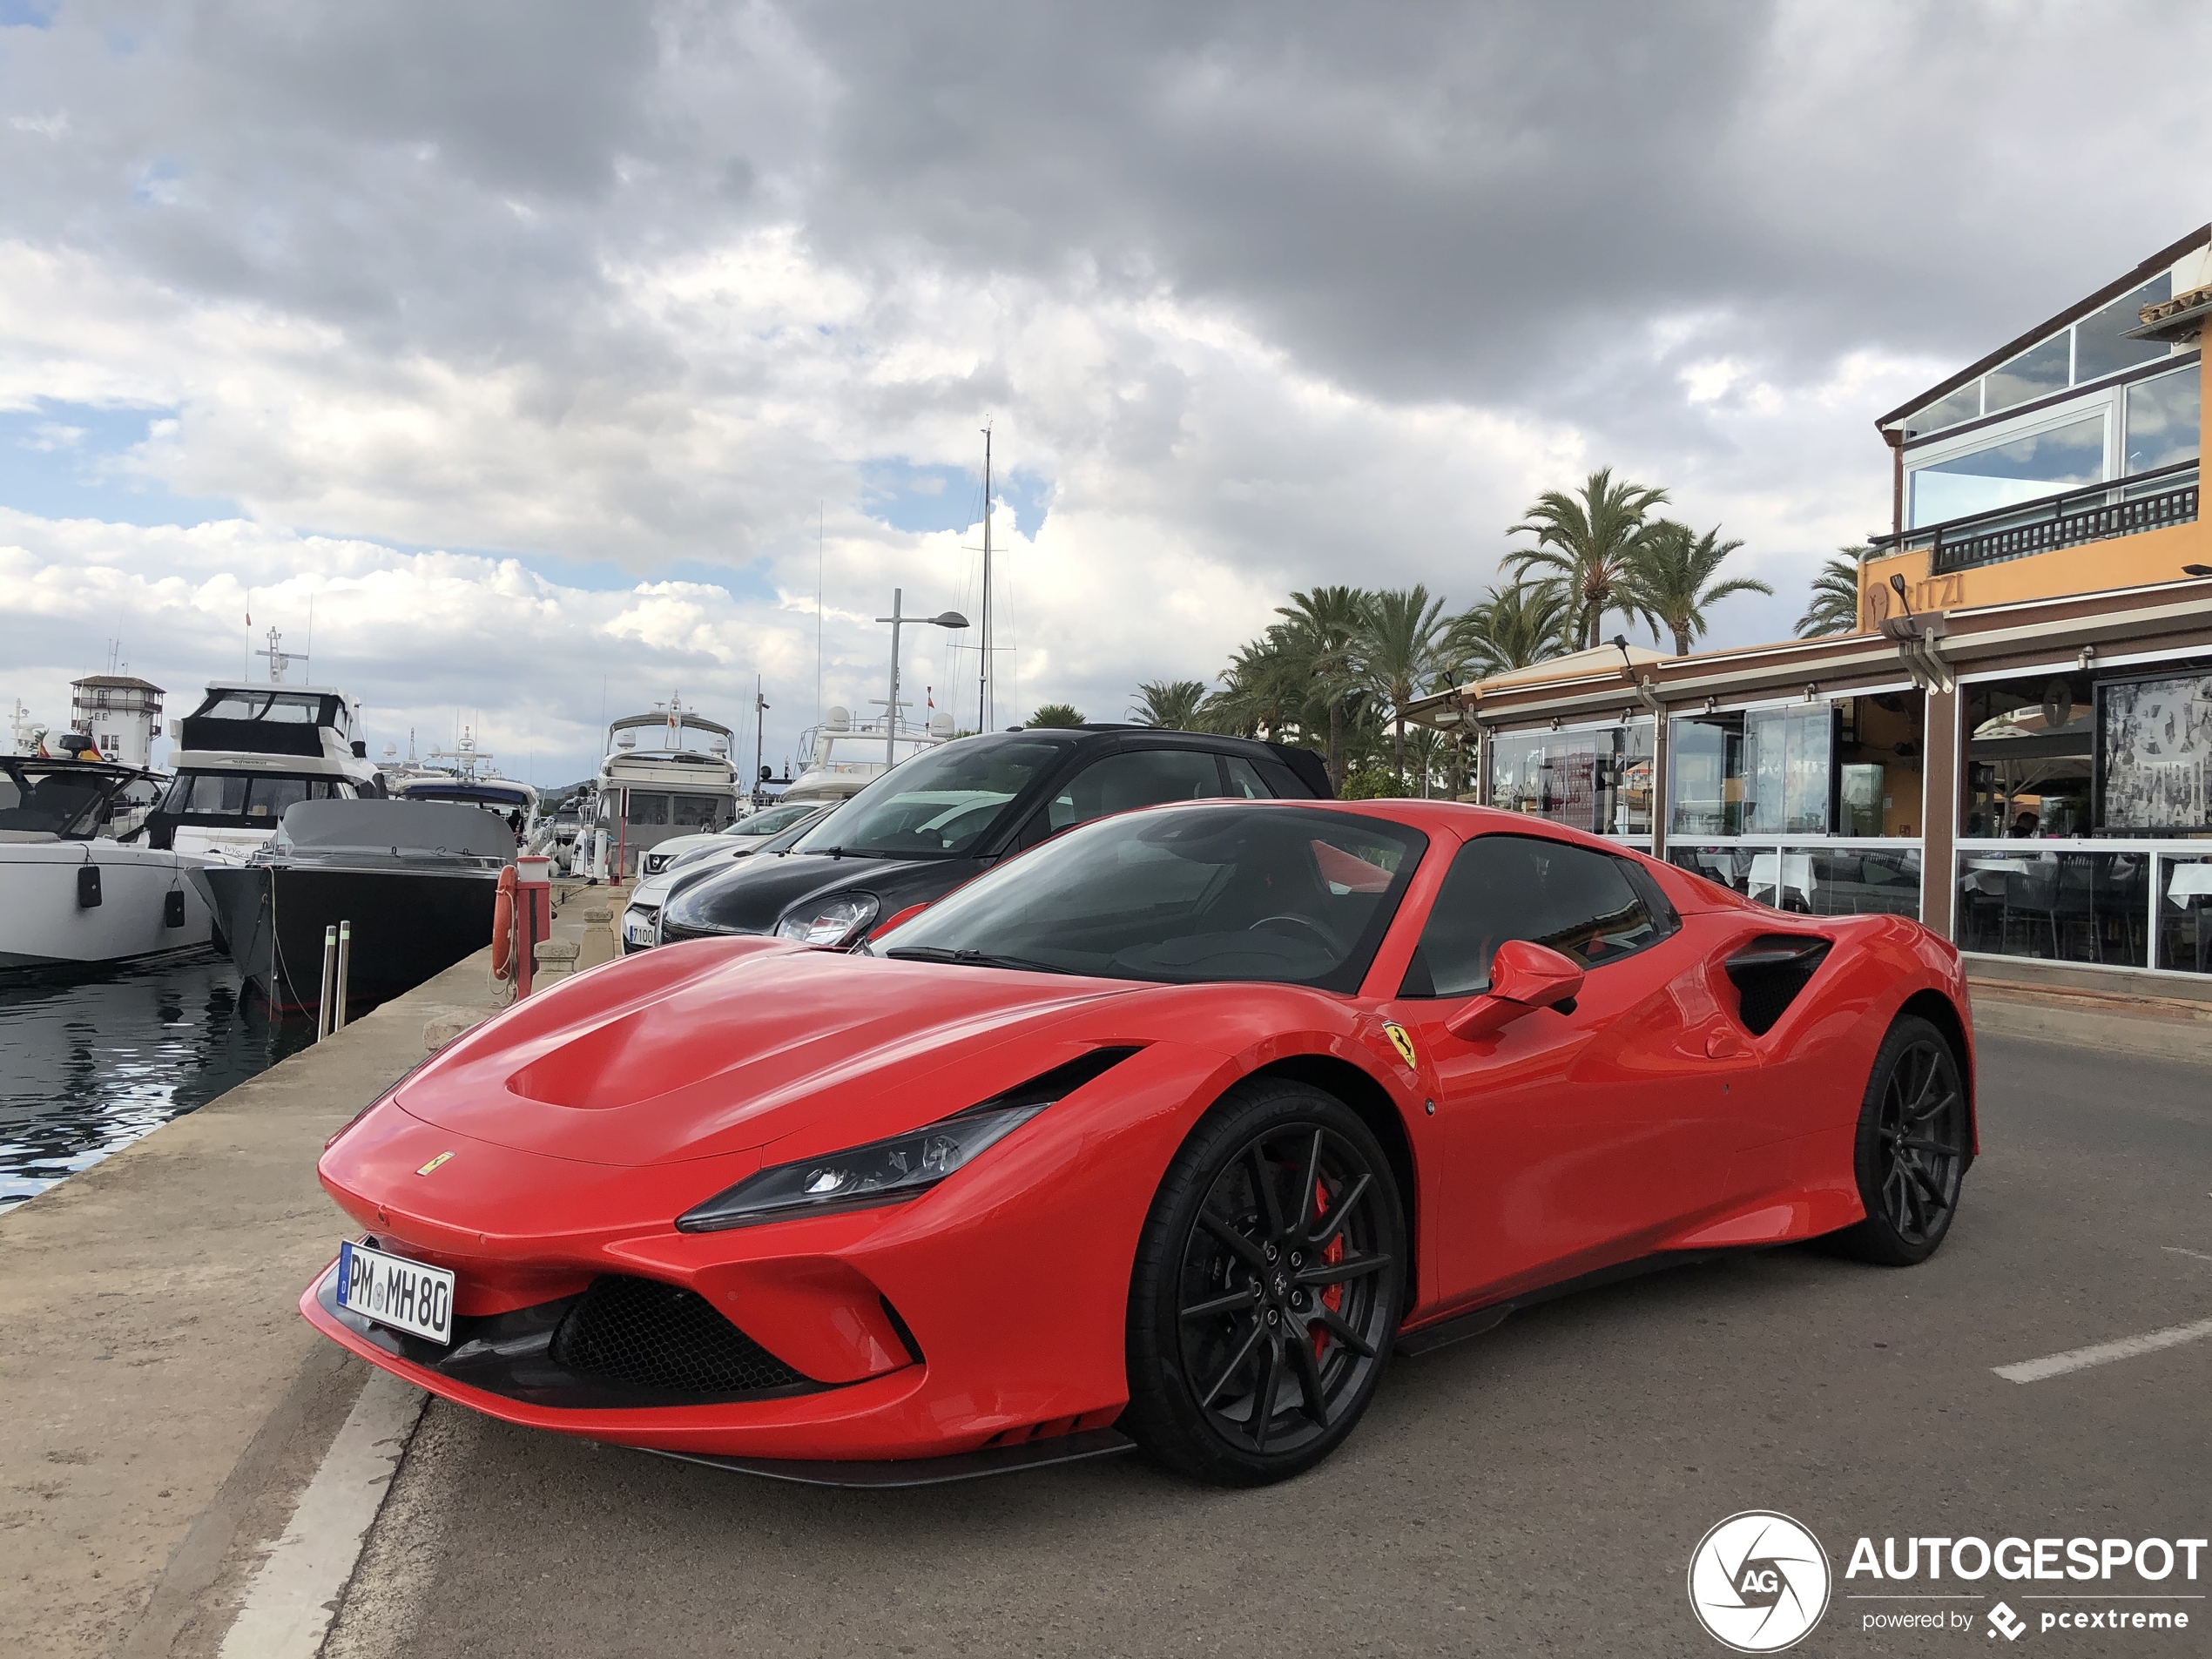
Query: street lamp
(947, 619)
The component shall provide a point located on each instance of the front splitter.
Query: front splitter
(923, 1471)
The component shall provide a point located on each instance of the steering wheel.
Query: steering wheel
(1327, 939)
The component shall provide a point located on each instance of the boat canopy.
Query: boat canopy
(395, 826)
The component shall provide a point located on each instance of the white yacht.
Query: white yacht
(666, 773)
(250, 751)
(73, 896)
(845, 755)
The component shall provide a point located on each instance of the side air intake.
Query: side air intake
(1769, 973)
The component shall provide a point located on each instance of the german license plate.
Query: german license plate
(391, 1289)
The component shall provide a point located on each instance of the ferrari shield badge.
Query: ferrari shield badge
(1403, 1041)
(431, 1167)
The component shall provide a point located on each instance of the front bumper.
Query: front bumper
(987, 1313)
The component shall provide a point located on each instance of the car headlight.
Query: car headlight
(904, 1166)
(833, 921)
(881, 1172)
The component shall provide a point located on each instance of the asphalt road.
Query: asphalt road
(1538, 1489)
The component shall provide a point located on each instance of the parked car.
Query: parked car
(755, 829)
(950, 812)
(641, 916)
(1170, 1133)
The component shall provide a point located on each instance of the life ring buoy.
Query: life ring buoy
(503, 927)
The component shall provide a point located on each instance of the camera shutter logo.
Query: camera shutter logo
(1759, 1581)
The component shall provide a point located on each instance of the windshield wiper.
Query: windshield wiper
(971, 959)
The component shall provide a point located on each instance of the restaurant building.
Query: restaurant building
(2016, 743)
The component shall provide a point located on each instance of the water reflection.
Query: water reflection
(86, 1069)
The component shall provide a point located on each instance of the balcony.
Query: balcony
(2149, 500)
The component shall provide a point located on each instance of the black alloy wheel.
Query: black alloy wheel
(1912, 1147)
(1268, 1286)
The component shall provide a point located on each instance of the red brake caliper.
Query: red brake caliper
(1332, 1298)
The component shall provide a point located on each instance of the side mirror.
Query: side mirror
(1523, 978)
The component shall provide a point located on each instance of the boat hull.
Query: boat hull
(407, 925)
(43, 927)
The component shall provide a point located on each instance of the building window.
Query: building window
(2089, 350)
(2163, 416)
(2100, 345)
(1598, 780)
(1759, 771)
(2006, 475)
(2037, 372)
(2028, 760)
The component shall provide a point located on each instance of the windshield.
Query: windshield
(774, 820)
(304, 708)
(57, 801)
(1186, 895)
(938, 804)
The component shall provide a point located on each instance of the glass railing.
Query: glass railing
(1833, 877)
(2112, 904)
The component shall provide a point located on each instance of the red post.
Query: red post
(533, 915)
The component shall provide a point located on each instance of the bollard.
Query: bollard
(556, 960)
(345, 967)
(599, 938)
(329, 982)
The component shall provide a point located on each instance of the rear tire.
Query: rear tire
(1911, 1153)
(1269, 1283)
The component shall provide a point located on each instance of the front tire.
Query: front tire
(1911, 1153)
(1269, 1283)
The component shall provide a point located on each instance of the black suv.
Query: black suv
(924, 827)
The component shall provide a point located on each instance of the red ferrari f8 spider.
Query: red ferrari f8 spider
(1169, 1131)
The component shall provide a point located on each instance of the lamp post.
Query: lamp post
(947, 619)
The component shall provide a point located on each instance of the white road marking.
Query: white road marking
(2176, 1249)
(2058, 1364)
(288, 1607)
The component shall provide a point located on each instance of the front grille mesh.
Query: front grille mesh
(645, 1334)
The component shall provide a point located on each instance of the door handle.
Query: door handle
(1724, 1044)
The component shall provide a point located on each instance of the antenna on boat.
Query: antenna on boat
(821, 521)
(279, 659)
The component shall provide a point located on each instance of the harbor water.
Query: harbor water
(88, 1066)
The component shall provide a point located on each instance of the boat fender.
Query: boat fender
(172, 908)
(503, 927)
(88, 886)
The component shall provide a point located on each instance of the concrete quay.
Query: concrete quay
(157, 1384)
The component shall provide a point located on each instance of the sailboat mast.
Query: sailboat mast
(983, 674)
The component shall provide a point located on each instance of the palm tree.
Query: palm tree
(1590, 540)
(1056, 714)
(1834, 609)
(1671, 581)
(1171, 704)
(1323, 626)
(1513, 628)
(1400, 651)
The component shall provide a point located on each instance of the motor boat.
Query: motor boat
(246, 755)
(845, 755)
(667, 774)
(470, 781)
(72, 895)
(418, 881)
(764, 831)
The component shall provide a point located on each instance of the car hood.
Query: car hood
(697, 1050)
(750, 896)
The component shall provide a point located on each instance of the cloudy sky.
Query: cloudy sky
(550, 355)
